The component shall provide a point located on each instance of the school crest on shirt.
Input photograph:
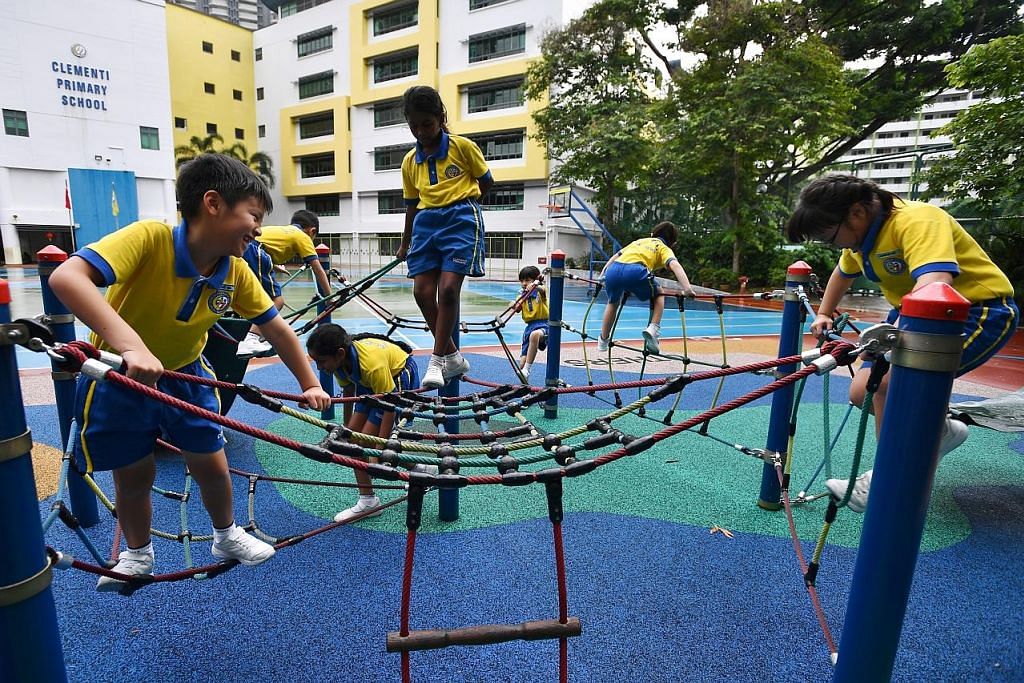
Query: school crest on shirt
(894, 265)
(452, 171)
(220, 300)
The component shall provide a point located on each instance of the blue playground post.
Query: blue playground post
(62, 322)
(556, 295)
(448, 499)
(797, 275)
(30, 647)
(323, 254)
(924, 362)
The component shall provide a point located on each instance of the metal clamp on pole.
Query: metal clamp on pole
(29, 588)
(923, 351)
(16, 446)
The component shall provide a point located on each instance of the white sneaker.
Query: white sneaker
(128, 562)
(243, 547)
(254, 346)
(433, 378)
(525, 370)
(455, 365)
(361, 506)
(954, 433)
(859, 498)
(651, 335)
(602, 344)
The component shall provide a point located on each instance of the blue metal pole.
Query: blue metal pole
(30, 647)
(448, 499)
(62, 322)
(924, 363)
(323, 254)
(797, 275)
(556, 296)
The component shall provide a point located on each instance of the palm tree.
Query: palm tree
(259, 162)
(196, 146)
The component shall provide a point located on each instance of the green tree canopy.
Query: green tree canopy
(259, 162)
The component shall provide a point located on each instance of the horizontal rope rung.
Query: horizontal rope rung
(484, 634)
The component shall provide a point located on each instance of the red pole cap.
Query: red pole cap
(5, 293)
(322, 249)
(936, 301)
(558, 258)
(799, 268)
(51, 253)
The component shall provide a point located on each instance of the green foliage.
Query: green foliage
(259, 162)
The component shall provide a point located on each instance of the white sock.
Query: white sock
(436, 360)
(145, 550)
(526, 369)
(221, 535)
(655, 327)
(368, 500)
(453, 356)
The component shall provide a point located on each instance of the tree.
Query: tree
(259, 162)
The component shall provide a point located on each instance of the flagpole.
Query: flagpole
(71, 220)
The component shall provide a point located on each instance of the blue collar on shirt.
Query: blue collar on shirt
(184, 267)
(441, 153)
(869, 243)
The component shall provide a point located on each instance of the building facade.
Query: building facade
(87, 121)
(329, 81)
(250, 14)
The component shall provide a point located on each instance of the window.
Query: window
(395, 66)
(389, 158)
(500, 43)
(395, 19)
(507, 245)
(259, 54)
(239, 133)
(287, 9)
(316, 125)
(180, 123)
(319, 40)
(317, 166)
(261, 131)
(388, 114)
(387, 245)
(207, 47)
(210, 88)
(478, 4)
(390, 201)
(236, 56)
(259, 93)
(504, 197)
(495, 96)
(497, 146)
(237, 94)
(316, 84)
(211, 129)
(149, 137)
(327, 205)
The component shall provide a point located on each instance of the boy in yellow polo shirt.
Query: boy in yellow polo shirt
(902, 246)
(166, 287)
(285, 242)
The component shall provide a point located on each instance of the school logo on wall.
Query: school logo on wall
(219, 301)
(452, 171)
(894, 265)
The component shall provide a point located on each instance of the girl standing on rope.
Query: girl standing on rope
(443, 176)
(364, 364)
(902, 246)
(630, 269)
(535, 314)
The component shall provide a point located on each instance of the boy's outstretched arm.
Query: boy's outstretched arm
(283, 339)
(75, 283)
(684, 282)
(322, 283)
(837, 286)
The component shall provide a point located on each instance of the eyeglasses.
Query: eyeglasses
(831, 240)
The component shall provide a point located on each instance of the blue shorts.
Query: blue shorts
(628, 277)
(990, 324)
(408, 378)
(118, 427)
(541, 325)
(448, 238)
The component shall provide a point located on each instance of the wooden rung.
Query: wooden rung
(484, 634)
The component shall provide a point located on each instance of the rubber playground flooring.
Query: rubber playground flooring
(660, 596)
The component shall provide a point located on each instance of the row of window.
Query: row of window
(211, 89)
(211, 128)
(236, 56)
(16, 123)
(508, 245)
(501, 197)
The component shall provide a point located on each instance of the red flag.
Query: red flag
(67, 197)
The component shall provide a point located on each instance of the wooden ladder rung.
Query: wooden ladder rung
(484, 634)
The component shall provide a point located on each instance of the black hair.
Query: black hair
(826, 202)
(305, 219)
(328, 338)
(227, 176)
(422, 99)
(666, 232)
(529, 273)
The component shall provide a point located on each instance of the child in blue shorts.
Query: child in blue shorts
(166, 287)
(903, 246)
(535, 314)
(630, 270)
(443, 176)
(364, 364)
